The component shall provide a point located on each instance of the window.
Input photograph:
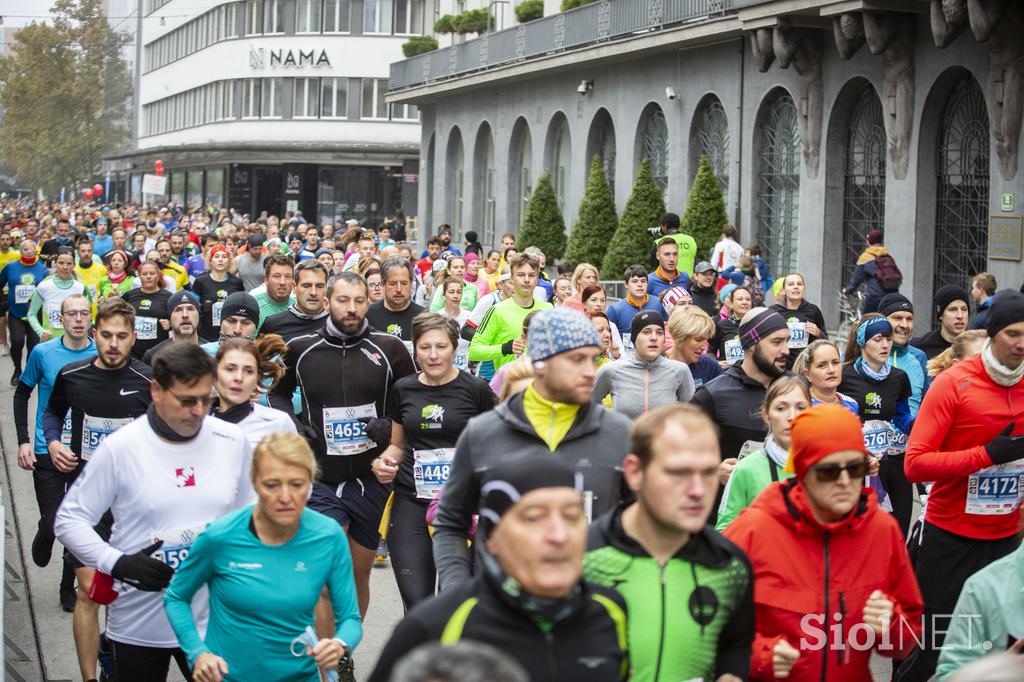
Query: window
(374, 90)
(778, 181)
(226, 100)
(251, 98)
(304, 98)
(409, 16)
(271, 102)
(273, 20)
(253, 17)
(336, 16)
(377, 16)
(405, 112)
(333, 97)
(307, 16)
(230, 19)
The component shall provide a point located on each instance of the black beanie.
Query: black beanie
(181, 297)
(243, 305)
(895, 303)
(1007, 308)
(643, 319)
(948, 294)
(509, 481)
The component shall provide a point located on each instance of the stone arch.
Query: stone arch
(484, 179)
(601, 142)
(455, 172)
(558, 158)
(709, 136)
(652, 142)
(520, 172)
(777, 158)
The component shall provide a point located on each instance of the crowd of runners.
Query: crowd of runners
(236, 417)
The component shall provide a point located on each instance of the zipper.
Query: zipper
(647, 374)
(661, 640)
(549, 638)
(824, 657)
(842, 622)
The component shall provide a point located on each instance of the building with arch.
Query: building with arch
(822, 120)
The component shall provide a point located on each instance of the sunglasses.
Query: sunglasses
(191, 401)
(828, 473)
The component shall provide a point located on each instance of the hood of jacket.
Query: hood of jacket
(871, 253)
(787, 502)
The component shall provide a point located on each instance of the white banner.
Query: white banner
(154, 184)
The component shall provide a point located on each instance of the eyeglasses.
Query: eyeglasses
(191, 401)
(77, 313)
(828, 473)
(375, 285)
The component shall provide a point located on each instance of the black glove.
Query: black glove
(1006, 448)
(142, 571)
(506, 348)
(378, 429)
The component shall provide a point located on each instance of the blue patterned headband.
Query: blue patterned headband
(871, 328)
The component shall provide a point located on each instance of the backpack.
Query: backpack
(887, 273)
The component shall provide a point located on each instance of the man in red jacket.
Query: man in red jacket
(964, 440)
(832, 579)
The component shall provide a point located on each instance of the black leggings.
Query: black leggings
(901, 492)
(134, 663)
(19, 334)
(412, 550)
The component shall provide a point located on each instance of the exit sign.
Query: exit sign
(1007, 203)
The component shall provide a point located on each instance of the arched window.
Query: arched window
(561, 162)
(962, 167)
(778, 179)
(863, 177)
(601, 143)
(520, 163)
(711, 139)
(456, 164)
(653, 143)
(484, 179)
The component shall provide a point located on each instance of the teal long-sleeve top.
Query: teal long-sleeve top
(262, 596)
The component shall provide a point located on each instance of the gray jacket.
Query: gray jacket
(638, 386)
(595, 446)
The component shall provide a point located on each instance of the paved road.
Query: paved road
(37, 633)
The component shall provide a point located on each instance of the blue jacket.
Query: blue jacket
(914, 362)
(656, 285)
(622, 312)
(981, 314)
(17, 273)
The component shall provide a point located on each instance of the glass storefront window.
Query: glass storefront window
(194, 193)
(176, 187)
(365, 194)
(215, 186)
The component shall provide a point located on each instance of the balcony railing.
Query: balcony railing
(591, 24)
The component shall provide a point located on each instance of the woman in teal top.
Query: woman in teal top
(786, 398)
(266, 566)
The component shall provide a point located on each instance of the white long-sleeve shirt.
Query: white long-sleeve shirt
(156, 490)
(726, 252)
(263, 421)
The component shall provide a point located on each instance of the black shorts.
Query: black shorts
(103, 528)
(358, 504)
(3, 305)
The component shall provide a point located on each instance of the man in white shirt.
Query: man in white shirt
(164, 477)
(728, 250)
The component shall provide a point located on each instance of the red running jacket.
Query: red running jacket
(808, 574)
(961, 413)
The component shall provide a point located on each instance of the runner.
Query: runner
(169, 266)
(963, 441)
(51, 478)
(644, 379)
(118, 280)
(666, 275)
(691, 330)
(529, 598)
(152, 304)
(89, 270)
(309, 312)
(686, 246)
(806, 323)
(245, 369)
(184, 323)
(898, 309)
(497, 338)
(554, 414)
(395, 313)
(267, 604)
(727, 251)
(21, 278)
(585, 275)
(345, 373)
(103, 394)
(882, 393)
(276, 296)
(622, 311)
(49, 295)
(726, 344)
(212, 288)
(660, 539)
(787, 397)
(821, 365)
(702, 288)
(240, 316)
(190, 471)
(983, 288)
(430, 410)
(952, 312)
(820, 523)
(7, 256)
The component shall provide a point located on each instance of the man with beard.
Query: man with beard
(48, 251)
(170, 267)
(183, 308)
(309, 311)
(345, 372)
(395, 313)
(733, 399)
(240, 318)
(898, 309)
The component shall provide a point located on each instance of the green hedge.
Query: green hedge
(419, 45)
(528, 10)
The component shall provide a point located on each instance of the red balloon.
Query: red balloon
(97, 189)
(159, 165)
(87, 193)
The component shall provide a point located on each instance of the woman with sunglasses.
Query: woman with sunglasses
(882, 393)
(833, 582)
(244, 371)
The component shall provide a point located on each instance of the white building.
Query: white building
(277, 105)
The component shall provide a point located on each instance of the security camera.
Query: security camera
(585, 87)
(670, 92)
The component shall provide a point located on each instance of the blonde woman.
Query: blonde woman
(691, 330)
(585, 275)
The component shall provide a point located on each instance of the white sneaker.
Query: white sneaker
(4, 349)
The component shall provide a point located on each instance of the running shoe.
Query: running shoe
(381, 560)
(42, 548)
(68, 595)
(346, 669)
(4, 349)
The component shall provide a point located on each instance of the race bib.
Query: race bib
(409, 347)
(733, 351)
(145, 328)
(995, 489)
(627, 341)
(345, 434)
(461, 358)
(177, 544)
(95, 429)
(92, 291)
(65, 432)
(23, 293)
(53, 315)
(797, 335)
(588, 505)
(217, 307)
(430, 471)
(878, 437)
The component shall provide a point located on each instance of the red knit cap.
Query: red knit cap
(819, 432)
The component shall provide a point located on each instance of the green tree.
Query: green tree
(596, 220)
(64, 92)
(631, 244)
(417, 45)
(528, 10)
(705, 209)
(543, 225)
